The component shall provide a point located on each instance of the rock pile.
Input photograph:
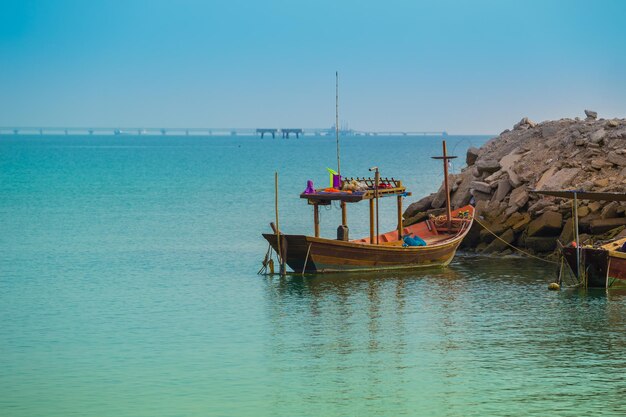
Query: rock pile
(564, 154)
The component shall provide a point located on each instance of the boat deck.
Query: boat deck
(426, 230)
(430, 240)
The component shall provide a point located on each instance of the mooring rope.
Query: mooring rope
(268, 256)
(514, 247)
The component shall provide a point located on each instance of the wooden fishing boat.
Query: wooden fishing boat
(314, 254)
(600, 266)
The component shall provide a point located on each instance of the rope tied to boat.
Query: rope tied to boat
(266, 261)
(442, 220)
(514, 247)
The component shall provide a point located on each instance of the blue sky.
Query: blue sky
(465, 66)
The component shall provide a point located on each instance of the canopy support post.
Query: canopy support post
(316, 219)
(344, 213)
(376, 183)
(372, 221)
(399, 217)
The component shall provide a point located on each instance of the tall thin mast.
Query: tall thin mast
(337, 119)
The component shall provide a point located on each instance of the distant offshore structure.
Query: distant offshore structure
(206, 131)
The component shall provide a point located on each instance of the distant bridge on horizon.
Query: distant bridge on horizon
(204, 131)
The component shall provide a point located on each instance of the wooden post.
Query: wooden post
(283, 264)
(371, 221)
(316, 219)
(445, 179)
(278, 237)
(344, 213)
(576, 237)
(445, 158)
(399, 217)
(376, 182)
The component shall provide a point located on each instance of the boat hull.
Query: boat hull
(604, 268)
(318, 255)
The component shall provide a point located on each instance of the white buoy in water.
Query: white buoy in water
(554, 286)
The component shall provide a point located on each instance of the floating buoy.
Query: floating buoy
(554, 286)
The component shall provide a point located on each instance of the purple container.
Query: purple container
(309, 187)
(337, 182)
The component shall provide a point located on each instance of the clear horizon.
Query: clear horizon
(466, 68)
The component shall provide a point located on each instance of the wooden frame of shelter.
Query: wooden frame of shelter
(321, 198)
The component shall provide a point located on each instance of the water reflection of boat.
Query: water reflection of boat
(599, 266)
(333, 282)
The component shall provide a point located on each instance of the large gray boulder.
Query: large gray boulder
(618, 134)
(598, 226)
(519, 197)
(525, 123)
(419, 206)
(502, 190)
(560, 179)
(480, 186)
(498, 245)
(461, 197)
(507, 163)
(541, 244)
(440, 198)
(487, 165)
(616, 159)
(597, 136)
(471, 156)
(548, 224)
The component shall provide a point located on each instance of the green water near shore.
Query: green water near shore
(128, 287)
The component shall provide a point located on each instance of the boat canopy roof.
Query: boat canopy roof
(584, 195)
(388, 187)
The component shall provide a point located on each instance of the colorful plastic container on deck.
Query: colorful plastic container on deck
(335, 178)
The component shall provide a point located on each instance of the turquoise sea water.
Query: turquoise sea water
(128, 287)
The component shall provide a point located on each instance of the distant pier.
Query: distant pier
(286, 132)
(262, 132)
(202, 131)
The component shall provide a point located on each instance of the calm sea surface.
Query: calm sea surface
(128, 287)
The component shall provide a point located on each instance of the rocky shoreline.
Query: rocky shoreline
(584, 154)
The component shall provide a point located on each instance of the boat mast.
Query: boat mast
(337, 119)
(445, 158)
(344, 208)
(445, 180)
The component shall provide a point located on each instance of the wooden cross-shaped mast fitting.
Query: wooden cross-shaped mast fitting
(445, 158)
